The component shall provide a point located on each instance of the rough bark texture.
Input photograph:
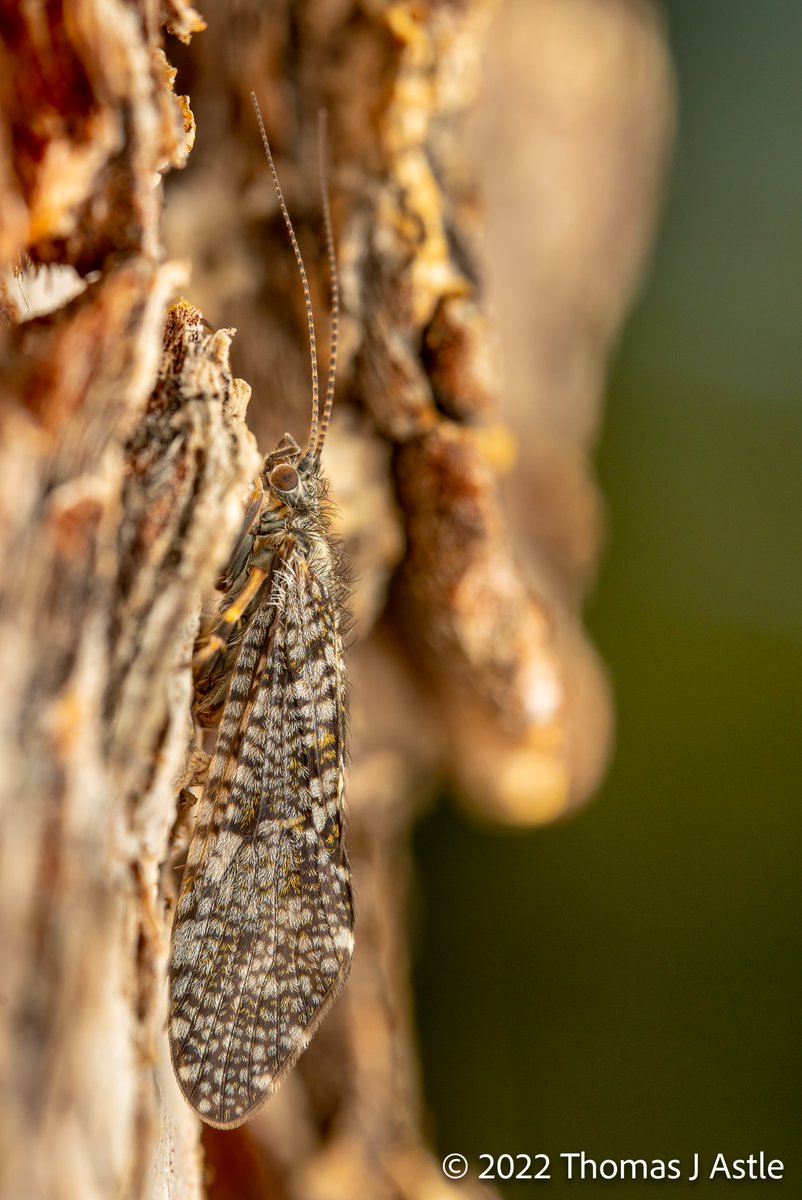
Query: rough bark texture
(124, 463)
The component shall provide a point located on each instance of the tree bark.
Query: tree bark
(124, 468)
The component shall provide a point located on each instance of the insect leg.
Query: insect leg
(229, 617)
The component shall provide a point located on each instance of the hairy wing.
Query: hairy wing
(263, 932)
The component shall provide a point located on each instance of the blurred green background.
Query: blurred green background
(628, 983)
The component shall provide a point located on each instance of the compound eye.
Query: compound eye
(284, 478)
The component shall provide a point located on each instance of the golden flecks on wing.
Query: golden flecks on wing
(263, 931)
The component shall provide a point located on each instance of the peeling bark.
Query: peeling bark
(124, 467)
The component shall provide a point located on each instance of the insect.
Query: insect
(263, 932)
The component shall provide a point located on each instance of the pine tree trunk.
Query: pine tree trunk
(125, 464)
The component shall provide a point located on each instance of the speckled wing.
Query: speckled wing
(263, 933)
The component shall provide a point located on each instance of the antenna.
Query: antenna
(314, 440)
(335, 285)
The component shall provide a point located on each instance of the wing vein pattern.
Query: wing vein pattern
(263, 933)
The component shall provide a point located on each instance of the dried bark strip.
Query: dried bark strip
(121, 478)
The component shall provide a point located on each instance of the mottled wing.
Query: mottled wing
(263, 934)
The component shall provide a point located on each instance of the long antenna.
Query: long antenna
(310, 320)
(335, 284)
